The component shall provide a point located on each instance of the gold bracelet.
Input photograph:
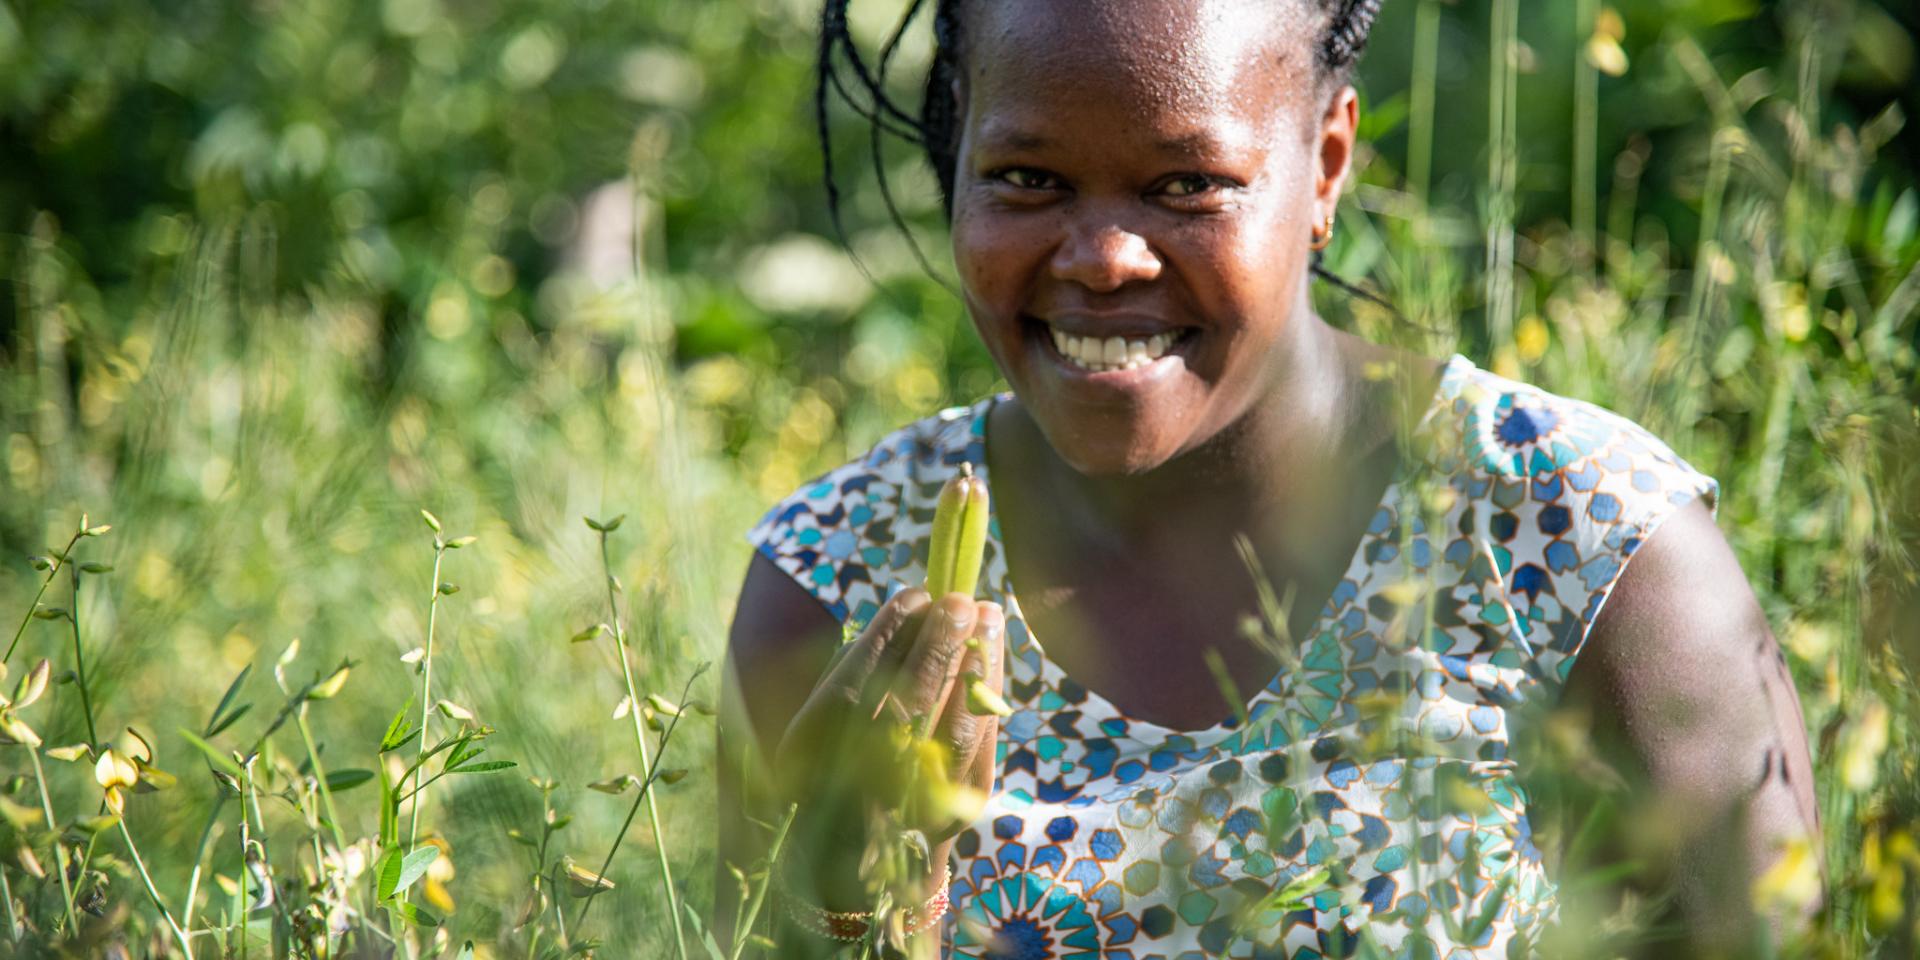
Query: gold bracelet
(853, 927)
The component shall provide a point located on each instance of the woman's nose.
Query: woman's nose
(1105, 258)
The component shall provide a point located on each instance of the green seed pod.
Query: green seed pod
(983, 700)
(959, 539)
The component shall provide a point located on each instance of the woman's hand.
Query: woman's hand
(886, 741)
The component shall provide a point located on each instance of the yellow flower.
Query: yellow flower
(117, 774)
(114, 770)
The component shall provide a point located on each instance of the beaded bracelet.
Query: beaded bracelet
(855, 927)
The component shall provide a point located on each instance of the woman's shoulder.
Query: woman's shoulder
(848, 536)
(1550, 496)
(1504, 431)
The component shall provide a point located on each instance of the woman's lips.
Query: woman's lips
(1096, 354)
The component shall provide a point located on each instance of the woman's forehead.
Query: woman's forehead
(1151, 55)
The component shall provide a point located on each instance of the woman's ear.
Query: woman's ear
(1339, 126)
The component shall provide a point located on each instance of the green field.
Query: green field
(280, 277)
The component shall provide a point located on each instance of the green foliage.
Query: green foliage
(281, 275)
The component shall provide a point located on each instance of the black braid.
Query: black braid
(936, 130)
(1349, 24)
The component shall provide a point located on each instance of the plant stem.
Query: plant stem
(186, 945)
(426, 701)
(320, 778)
(646, 762)
(59, 849)
(80, 661)
(1426, 43)
(6, 893)
(559, 914)
(199, 855)
(53, 571)
(1586, 123)
(744, 927)
(1502, 171)
(646, 796)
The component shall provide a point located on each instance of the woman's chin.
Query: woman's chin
(1103, 452)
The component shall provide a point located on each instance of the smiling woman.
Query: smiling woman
(1137, 190)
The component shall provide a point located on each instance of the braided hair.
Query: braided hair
(842, 72)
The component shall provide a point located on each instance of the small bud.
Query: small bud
(673, 776)
(41, 563)
(453, 711)
(448, 589)
(96, 567)
(15, 730)
(458, 542)
(33, 684)
(325, 689)
(606, 526)
(432, 521)
(584, 883)
(615, 785)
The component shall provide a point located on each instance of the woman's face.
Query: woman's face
(1136, 188)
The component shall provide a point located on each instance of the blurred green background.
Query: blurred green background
(279, 275)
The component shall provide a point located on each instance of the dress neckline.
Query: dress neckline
(1023, 646)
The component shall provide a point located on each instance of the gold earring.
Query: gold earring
(1323, 233)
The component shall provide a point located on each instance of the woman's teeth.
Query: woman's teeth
(1112, 353)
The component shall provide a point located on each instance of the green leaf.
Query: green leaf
(414, 915)
(701, 934)
(228, 720)
(389, 810)
(220, 760)
(1495, 901)
(93, 566)
(95, 825)
(396, 728)
(340, 780)
(485, 767)
(405, 739)
(397, 873)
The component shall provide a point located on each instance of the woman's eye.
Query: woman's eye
(1026, 178)
(1190, 185)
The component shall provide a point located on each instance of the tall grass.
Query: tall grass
(265, 459)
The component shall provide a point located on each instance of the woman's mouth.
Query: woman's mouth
(1111, 354)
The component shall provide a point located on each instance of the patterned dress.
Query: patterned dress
(1367, 792)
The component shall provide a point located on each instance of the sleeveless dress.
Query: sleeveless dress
(1367, 792)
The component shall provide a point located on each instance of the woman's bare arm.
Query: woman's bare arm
(781, 641)
(1692, 701)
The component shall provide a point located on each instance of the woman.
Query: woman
(1136, 192)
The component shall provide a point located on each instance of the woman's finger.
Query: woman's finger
(870, 653)
(932, 663)
(965, 733)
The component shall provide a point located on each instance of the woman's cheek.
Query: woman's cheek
(994, 256)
